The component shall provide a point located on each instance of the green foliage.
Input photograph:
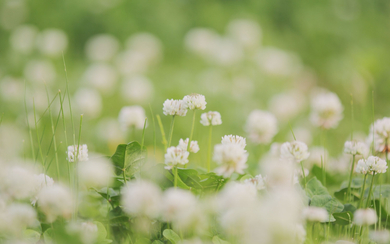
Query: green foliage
(171, 236)
(217, 240)
(31, 236)
(129, 158)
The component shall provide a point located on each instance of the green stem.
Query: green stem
(171, 131)
(124, 176)
(143, 134)
(369, 193)
(303, 173)
(362, 193)
(175, 176)
(209, 149)
(164, 140)
(192, 130)
(350, 177)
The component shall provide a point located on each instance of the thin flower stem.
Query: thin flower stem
(75, 173)
(124, 176)
(28, 124)
(154, 129)
(350, 177)
(70, 105)
(362, 193)
(143, 134)
(303, 173)
(192, 131)
(171, 131)
(164, 139)
(66, 135)
(209, 149)
(54, 135)
(175, 176)
(369, 193)
(39, 142)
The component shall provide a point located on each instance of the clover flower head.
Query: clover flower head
(365, 217)
(176, 156)
(211, 118)
(234, 139)
(231, 158)
(194, 147)
(80, 152)
(175, 107)
(295, 151)
(195, 101)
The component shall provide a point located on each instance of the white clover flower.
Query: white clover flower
(82, 153)
(194, 147)
(246, 32)
(201, 41)
(102, 47)
(89, 232)
(137, 89)
(96, 173)
(89, 102)
(175, 107)
(380, 236)
(211, 118)
(286, 106)
(315, 214)
(327, 110)
(52, 42)
(371, 165)
(195, 101)
(227, 52)
(101, 76)
(280, 174)
(176, 203)
(16, 217)
(175, 156)
(258, 181)
(22, 38)
(42, 181)
(132, 116)
(141, 198)
(230, 158)
(55, 201)
(40, 71)
(261, 126)
(230, 139)
(18, 182)
(365, 217)
(295, 151)
(380, 133)
(148, 47)
(356, 148)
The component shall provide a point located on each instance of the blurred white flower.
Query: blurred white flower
(13, 13)
(101, 76)
(261, 126)
(146, 44)
(11, 89)
(280, 174)
(234, 139)
(132, 62)
(17, 181)
(89, 102)
(96, 173)
(55, 201)
(317, 154)
(226, 52)
(141, 198)
(108, 130)
(201, 41)
(230, 158)
(175, 107)
(327, 110)
(195, 101)
(22, 38)
(52, 42)
(380, 133)
(42, 181)
(11, 137)
(89, 232)
(300, 234)
(365, 217)
(132, 116)
(194, 147)
(315, 214)
(175, 156)
(302, 133)
(356, 148)
(341, 165)
(102, 47)
(246, 32)
(80, 152)
(211, 118)
(258, 181)
(371, 165)
(16, 217)
(137, 89)
(286, 106)
(380, 236)
(295, 151)
(40, 71)
(277, 62)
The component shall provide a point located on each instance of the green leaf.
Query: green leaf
(343, 218)
(171, 236)
(31, 236)
(128, 157)
(342, 194)
(190, 177)
(320, 197)
(169, 175)
(377, 191)
(117, 216)
(102, 232)
(217, 240)
(211, 181)
(47, 236)
(157, 242)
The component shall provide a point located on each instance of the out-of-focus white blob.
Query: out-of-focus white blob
(261, 126)
(227, 52)
(89, 102)
(132, 62)
(11, 140)
(52, 42)
(242, 87)
(302, 134)
(12, 13)
(245, 32)
(277, 62)
(102, 47)
(317, 154)
(147, 44)
(40, 71)
(137, 89)
(108, 129)
(339, 165)
(22, 38)
(55, 201)
(201, 41)
(101, 76)
(11, 89)
(326, 109)
(96, 173)
(214, 80)
(16, 217)
(286, 106)
(131, 117)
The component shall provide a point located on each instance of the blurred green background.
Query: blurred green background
(340, 45)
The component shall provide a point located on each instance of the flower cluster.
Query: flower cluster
(371, 165)
(258, 181)
(210, 118)
(380, 135)
(261, 126)
(365, 217)
(175, 107)
(176, 156)
(327, 110)
(230, 158)
(194, 147)
(132, 117)
(195, 101)
(356, 148)
(295, 151)
(231, 139)
(80, 152)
